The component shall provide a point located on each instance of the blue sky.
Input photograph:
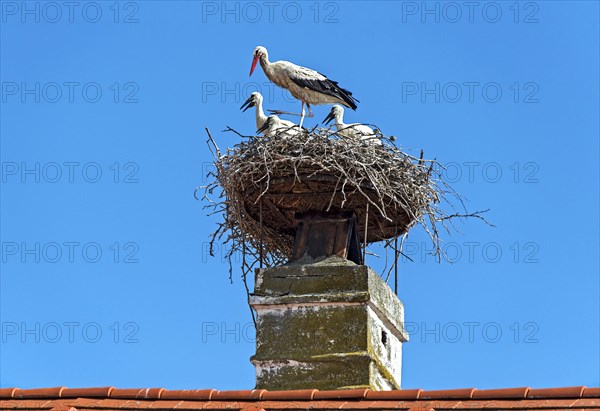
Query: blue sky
(105, 274)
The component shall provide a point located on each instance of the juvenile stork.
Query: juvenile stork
(255, 100)
(354, 130)
(308, 86)
(274, 126)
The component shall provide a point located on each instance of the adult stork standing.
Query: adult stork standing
(354, 130)
(255, 100)
(308, 86)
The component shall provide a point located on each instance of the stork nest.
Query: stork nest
(262, 182)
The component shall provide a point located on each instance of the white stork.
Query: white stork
(354, 130)
(308, 86)
(255, 100)
(274, 126)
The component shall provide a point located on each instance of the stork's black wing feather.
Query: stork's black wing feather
(328, 87)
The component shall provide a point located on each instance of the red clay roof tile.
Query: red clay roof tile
(7, 392)
(53, 392)
(166, 404)
(511, 393)
(291, 395)
(340, 394)
(110, 403)
(188, 394)
(464, 393)
(137, 404)
(145, 393)
(394, 395)
(564, 392)
(98, 392)
(587, 403)
(507, 404)
(591, 392)
(63, 407)
(241, 395)
(198, 405)
(354, 405)
(85, 402)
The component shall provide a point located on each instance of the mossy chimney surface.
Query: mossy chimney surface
(326, 324)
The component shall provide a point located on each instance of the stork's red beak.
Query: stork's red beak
(253, 64)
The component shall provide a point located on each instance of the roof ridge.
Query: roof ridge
(301, 395)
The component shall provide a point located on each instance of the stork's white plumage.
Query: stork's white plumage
(308, 86)
(274, 126)
(354, 130)
(256, 100)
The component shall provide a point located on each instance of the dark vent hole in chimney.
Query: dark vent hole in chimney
(384, 338)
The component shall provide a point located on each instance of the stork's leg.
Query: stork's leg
(302, 115)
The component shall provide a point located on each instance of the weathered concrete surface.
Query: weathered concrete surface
(327, 324)
(349, 371)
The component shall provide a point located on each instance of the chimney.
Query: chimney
(324, 321)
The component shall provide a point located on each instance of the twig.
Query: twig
(476, 214)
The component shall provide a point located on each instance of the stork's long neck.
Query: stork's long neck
(266, 66)
(260, 115)
(339, 122)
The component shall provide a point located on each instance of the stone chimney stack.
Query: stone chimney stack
(326, 323)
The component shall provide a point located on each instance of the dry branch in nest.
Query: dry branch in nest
(261, 183)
